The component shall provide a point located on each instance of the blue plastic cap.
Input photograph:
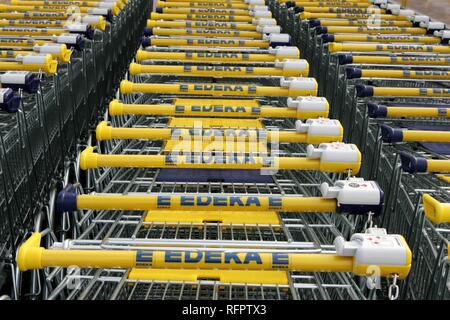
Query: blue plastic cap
(314, 23)
(89, 33)
(353, 73)
(389, 134)
(159, 10)
(327, 38)
(298, 9)
(109, 16)
(321, 30)
(290, 4)
(345, 58)
(67, 199)
(364, 91)
(148, 32)
(377, 110)
(412, 164)
(145, 42)
(10, 102)
(32, 85)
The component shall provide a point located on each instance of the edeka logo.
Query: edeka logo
(276, 260)
(187, 201)
(214, 87)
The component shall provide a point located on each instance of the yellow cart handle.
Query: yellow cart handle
(48, 66)
(62, 54)
(50, 16)
(436, 211)
(106, 132)
(206, 42)
(343, 10)
(209, 1)
(319, 4)
(212, 17)
(391, 135)
(380, 38)
(382, 111)
(89, 160)
(224, 57)
(309, 89)
(226, 109)
(201, 25)
(370, 91)
(358, 23)
(356, 73)
(200, 4)
(218, 71)
(367, 47)
(222, 33)
(115, 7)
(324, 15)
(413, 164)
(32, 256)
(374, 30)
(209, 11)
(20, 8)
(398, 59)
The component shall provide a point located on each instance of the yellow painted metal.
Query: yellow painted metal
(403, 60)
(217, 71)
(217, 89)
(405, 74)
(368, 47)
(209, 42)
(31, 256)
(212, 108)
(201, 25)
(443, 177)
(89, 160)
(225, 217)
(436, 211)
(273, 277)
(206, 17)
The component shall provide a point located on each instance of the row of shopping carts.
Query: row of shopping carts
(59, 63)
(385, 72)
(217, 174)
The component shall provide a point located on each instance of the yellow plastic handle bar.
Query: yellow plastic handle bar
(215, 89)
(363, 23)
(319, 4)
(376, 30)
(200, 4)
(49, 17)
(333, 9)
(213, 108)
(425, 136)
(436, 211)
(410, 92)
(209, 42)
(20, 8)
(63, 54)
(201, 25)
(116, 7)
(89, 160)
(406, 74)
(222, 33)
(212, 17)
(49, 66)
(225, 12)
(397, 112)
(333, 1)
(32, 256)
(22, 31)
(223, 57)
(403, 60)
(324, 15)
(107, 132)
(367, 47)
(217, 71)
(385, 38)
